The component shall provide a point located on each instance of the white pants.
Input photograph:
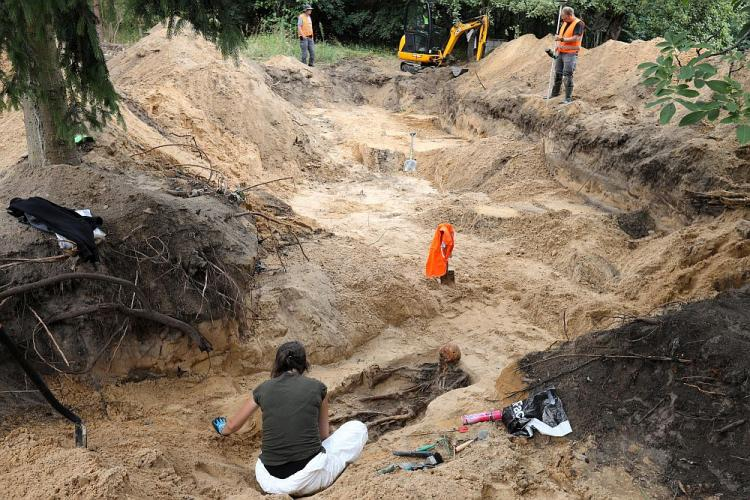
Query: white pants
(342, 448)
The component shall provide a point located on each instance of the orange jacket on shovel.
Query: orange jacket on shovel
(440, 251)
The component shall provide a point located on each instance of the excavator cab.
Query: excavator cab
(418, 32)
(423, 44)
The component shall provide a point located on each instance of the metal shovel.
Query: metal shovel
(410, 165)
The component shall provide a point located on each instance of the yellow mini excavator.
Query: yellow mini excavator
(422, 43)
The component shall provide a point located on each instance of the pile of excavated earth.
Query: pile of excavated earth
(264, 202)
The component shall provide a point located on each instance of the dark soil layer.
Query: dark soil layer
(682, 420)
(189, 256)
(636, 224)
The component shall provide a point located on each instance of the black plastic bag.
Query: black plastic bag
(542, 412)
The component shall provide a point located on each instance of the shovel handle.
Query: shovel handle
(463, 446)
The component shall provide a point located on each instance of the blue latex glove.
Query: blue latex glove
(219, 424)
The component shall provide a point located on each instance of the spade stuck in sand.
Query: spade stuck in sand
(410, 165)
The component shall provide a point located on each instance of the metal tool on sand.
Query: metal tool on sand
(410, 165)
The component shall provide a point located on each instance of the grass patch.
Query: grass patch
(263, 46)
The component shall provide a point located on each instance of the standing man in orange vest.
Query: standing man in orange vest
(306, 35)
(569, 41)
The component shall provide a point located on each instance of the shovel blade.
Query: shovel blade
(449, 278)
(410, 166)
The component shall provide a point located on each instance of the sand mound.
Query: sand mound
(608, 74)
(685, 419)
(182, 86)
(66, 472)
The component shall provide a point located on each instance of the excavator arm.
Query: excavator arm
(459, 29)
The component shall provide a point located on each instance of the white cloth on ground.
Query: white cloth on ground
(342, 448)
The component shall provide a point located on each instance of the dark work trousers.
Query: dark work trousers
(307, 45)
(565, 66)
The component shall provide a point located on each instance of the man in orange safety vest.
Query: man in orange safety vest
(569, 41)
(306, 35)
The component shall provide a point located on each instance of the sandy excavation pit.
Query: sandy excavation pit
(564, 227)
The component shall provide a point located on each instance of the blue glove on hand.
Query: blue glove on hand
(219, 424)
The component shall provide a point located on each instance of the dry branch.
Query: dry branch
(28, 287)
(203, 343)
(245, 190)
(51, 337)
(704, 391)
(42, 260)
(731, 426)
(611, 356)
(652, 410)
(542, 382)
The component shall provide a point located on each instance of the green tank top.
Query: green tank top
(291, 408)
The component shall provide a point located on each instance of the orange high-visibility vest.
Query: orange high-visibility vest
(307, 27)
(440, 251)
(569, 47)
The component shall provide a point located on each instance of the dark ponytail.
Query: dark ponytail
(290, 356)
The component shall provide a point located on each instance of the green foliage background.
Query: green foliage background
(380, 22)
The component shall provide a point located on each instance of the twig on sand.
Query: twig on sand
(174, 144)
(476, 73)
(245, 190)
(379, 238)
(538, 384)
(51, 337)
(612, 356)
(266, 217)
(194, 165)
(704, 391)
(731, 426)
(11, 262)
(652, 410)
(740, 458)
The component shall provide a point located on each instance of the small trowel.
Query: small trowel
(410, 165)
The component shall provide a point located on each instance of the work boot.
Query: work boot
(556, 87)
(568, 90)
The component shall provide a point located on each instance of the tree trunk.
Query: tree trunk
(98, 15)
(615, 27)
(45, 110)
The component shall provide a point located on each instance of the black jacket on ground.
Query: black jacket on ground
(45, 215)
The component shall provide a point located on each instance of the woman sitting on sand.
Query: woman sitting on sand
(299, 455)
